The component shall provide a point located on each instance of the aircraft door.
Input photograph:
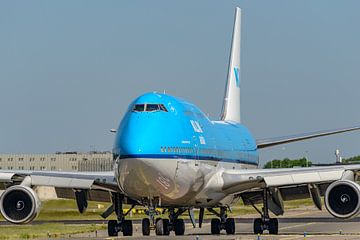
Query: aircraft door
(196, 150)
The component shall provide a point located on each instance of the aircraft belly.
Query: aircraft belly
(174, 181)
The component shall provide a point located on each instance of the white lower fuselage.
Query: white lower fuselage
(175, 182)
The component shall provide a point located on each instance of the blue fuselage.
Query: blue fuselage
(184, 131)
(160, 134)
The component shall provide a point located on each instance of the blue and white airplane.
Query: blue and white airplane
(168, 154)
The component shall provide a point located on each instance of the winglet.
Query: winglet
(231, 105)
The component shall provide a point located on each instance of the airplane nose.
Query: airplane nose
(130, 140)
(138, 135)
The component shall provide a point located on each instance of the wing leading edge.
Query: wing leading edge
(73, 180)
(286, 184)
(269, 142)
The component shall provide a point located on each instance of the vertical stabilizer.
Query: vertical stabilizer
(231, 105)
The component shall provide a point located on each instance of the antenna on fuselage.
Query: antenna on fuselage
(231, 104)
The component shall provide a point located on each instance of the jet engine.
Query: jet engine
(342, 199)
(19, 204)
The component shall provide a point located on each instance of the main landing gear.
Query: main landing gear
(120, 225)
(265, 222)
(222, 222)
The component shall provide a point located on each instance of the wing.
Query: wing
(82, 186)
(98, 185)
(269, 142)
(286, 184)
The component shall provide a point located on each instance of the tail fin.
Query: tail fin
(231, 105)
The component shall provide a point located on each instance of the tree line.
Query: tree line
(303, 162)
(355, 159)
(288, 163)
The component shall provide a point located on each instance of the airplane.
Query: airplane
(168, 154)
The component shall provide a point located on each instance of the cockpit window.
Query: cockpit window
(163, 108)
(139, 108)
(150, 107)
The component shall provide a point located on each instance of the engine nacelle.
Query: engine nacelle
(19, 204)
(342, 199)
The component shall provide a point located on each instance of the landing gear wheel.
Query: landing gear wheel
(145, 227)
(127, 228)
(273, 226)
(159, 227)
(112, 231)
(215, 226)
(179, 227)
(258, 226)
(166, 227)
(230, 225)
(162, 227)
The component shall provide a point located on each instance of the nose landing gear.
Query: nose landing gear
(165, 226)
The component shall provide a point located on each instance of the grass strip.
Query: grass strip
(47, 230)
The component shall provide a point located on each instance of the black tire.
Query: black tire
(159, 227)
(166, 227)
(215, 226)
(112, 231)
(258, 226)
(145, 224)
(127, 228)
(273, 226)
(230, 226)
(179, 227)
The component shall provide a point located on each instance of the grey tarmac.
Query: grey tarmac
(304, 223)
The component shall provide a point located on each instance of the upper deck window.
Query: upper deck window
(150, 107)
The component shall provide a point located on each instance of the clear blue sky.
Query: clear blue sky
(69, 69)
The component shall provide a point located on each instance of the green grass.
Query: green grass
(50, 230)
(240, 209)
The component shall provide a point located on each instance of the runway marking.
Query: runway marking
(294, 226)
(293, 237)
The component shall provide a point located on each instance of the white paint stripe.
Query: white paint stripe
(294, 226)
(293, 237)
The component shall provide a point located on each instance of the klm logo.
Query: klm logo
(237, 76)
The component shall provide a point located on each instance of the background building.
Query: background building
(60, 161)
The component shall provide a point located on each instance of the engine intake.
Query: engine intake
(19, 204)
(342, 199)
